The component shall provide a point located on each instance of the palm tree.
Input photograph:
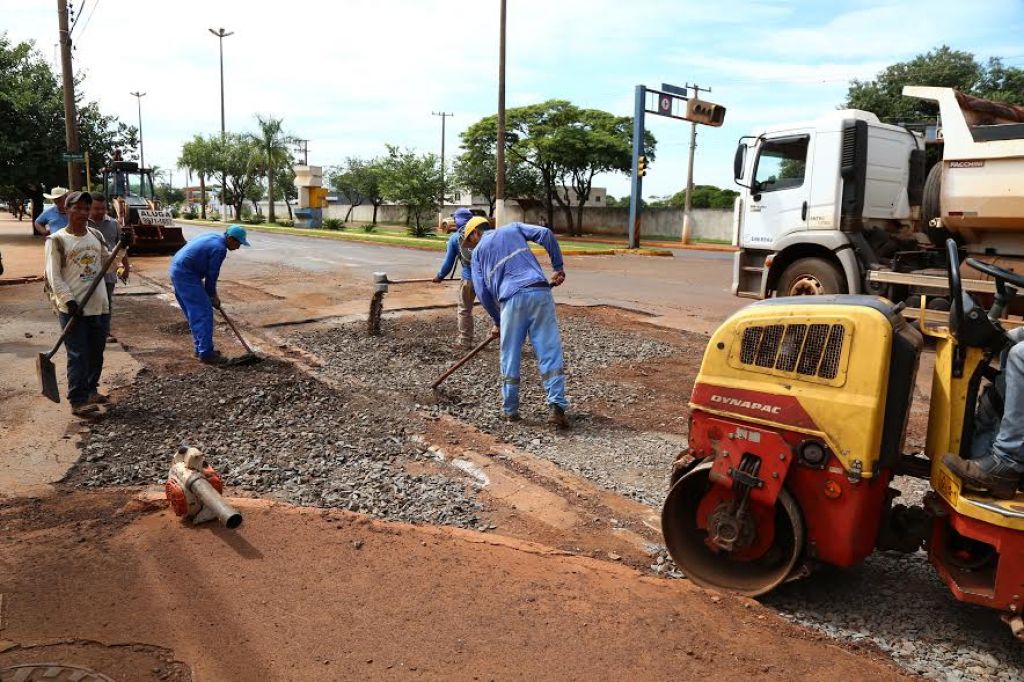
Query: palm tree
(274, 153)
(196, 155)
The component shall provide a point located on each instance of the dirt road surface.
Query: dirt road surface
(551, 572)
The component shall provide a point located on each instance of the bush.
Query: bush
(421, 231)
(174, 211)
(189, 214)
(285, 223)
(213, 215)
(333, 224)
(253, 220)
(369, 228)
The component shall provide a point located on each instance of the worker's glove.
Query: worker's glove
(122, 274)
(495, 331)
(126, 239)
(437, 280)
(215, 301)
(558, 278)
(73, 308)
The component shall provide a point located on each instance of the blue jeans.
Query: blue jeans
(531, 312)
(1007, 441)
(85, 345)
(195, 304)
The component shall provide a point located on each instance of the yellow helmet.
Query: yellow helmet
(474, 224)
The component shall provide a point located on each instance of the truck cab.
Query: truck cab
(819, 195)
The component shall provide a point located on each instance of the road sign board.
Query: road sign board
(674, 90)
(664, 104)
(74, 156)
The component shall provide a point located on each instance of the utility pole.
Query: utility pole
(499, 185)
(444, 116)
(221, 35)
(689, 174)
(70, 117)
(142, 151)
(303, 146)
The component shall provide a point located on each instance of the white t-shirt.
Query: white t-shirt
(83, 262)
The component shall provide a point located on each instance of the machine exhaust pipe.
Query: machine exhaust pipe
(215, 504)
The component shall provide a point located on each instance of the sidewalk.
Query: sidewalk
(22, 252)
(659, 244)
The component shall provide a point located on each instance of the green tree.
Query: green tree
(414, 181)
(941, 67)
(285, 189)
(274, 152)
(237, 158)
(356, 180)
(704, 196)
(198, 156)
(32, 132)
(565, 145)
(476, 172)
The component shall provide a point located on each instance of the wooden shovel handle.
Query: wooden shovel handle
(465, 358)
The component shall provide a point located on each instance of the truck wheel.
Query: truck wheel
(930, 207)
(810, 277)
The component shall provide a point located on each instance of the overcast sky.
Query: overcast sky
(353, 75)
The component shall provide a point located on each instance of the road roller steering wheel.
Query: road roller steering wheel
(967, 319)
(956, 290)
(1002, 276)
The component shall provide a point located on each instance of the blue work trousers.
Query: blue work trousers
(531, 312)
(1004, 437)
(84, 345)
(195, 303)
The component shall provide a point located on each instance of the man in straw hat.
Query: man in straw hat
(55, 217)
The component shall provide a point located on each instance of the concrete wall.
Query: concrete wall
(657, 223)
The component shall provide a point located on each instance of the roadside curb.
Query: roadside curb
(21, 280)
(401, 242)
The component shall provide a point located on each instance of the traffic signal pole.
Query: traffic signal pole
(636, 183)
(687, 221)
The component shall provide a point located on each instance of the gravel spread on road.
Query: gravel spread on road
(270, 429)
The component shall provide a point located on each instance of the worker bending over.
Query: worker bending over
(194, 272)
(507, 274)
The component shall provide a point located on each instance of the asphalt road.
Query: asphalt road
(689, 290)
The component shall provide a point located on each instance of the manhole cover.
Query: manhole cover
(50, 672)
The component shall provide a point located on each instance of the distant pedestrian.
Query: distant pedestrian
(457, 252)
(194, 273)
(74, 258)
(55, 217)
(513, 289)
(111, 231)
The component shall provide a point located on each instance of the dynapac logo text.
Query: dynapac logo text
(745, 404)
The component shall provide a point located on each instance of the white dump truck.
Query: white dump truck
(847, 204)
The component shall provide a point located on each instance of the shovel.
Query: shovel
(463, 360)
(250, 357)
(45, 369)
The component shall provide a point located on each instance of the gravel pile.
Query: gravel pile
(270, 429)
(413, 351)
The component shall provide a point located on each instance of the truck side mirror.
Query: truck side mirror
(738, 161)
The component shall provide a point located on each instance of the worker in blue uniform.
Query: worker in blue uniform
(512, 288)
(194, 272)
(457, 252)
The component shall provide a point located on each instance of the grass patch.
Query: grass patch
(394, 235)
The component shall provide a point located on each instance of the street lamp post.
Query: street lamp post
(499, 181)
(221, 35)
(142, 150)
(444, 116)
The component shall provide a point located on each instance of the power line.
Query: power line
(88, 18)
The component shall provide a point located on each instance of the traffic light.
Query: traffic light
(641, 166)
(707, 113)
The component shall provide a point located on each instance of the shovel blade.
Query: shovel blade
(47, 374)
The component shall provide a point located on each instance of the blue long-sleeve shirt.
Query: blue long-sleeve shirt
(503, 263)
(202, 257)
(452, 255)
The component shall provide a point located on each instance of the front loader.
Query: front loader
(797, 425)
(132, 199)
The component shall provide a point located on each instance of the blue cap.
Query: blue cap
(462, 216)
(238, 232)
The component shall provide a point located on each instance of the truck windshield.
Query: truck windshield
(781, 164)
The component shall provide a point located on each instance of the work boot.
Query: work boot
(84, 410)
(557, 418)
(988, 473)
(511, 416)
(98, 399)
(214, 358)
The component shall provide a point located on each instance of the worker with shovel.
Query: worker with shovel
(507, 274)
(74, 256)
(194, 272)
(457, 251)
